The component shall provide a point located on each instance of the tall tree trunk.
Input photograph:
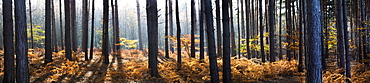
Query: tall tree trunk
(367, 15)
(300, 56)
(288, 28)
(92, 30)
(105, 46)
(152, 23)
(218, 27)
(211, 42)
(139, 25)
(293, 29)
(113, 23)
(238, 21)
(266, 29)
(272, 30)
(360, 37)
(261, 32)
(193, 25)
(226, 69)
(242, 19)
(48, 41)
(73, 24)
(53, 29)
(233, 46)
(67, 30)
(256, 52)
(85, 21)
(346, 45)
(178, 34)
(241, 26)
(21, 41)
(8, 42)
(201, 30)
(62, 42)
(254, 25)
(247, 28)
(31, 26)
(340, 29)
(117, 27)
(167, 54)
(280, 31)
(314, 38)
(364, 37)
(171, 23)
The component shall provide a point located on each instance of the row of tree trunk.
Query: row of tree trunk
(308, 34)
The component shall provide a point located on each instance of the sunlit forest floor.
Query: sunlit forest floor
(131, 66)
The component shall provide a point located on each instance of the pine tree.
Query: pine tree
(8, 36)
(152, 23)
(48, 41)
(314, 68)
(22, 75)
(211, 42)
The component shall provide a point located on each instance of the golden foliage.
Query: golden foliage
(132, 66)
(243, 70)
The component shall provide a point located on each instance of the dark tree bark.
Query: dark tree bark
(67, 30)
(306, 43)
(346, 45)
(218, 27)
(48, 41)
(21, 41)
(241, 26)
(193, 25)
(171, 23)
(247, 28)
(201, 30)
(300, 56)
(113, 23)
(226, 69)
(152, 23)
(360, 37)
(167, 54)
(280, 31)
(367, 15)
(53, 29)
(238, 21)
(261, 32)
(340, 32)
(73, 25)
(117, 27)
(8, 42)
(178, 34)
(254, 25)
(105, 46)
(272, 30)
(211, 42)
(242, 34)
(363, 31)
(92, 30)
(314, 38)
(61, 25)
(139, 25)
(31, 28)
(233, 46)
(293, 30)
(288, 28)
(85, 21)
(266, 29)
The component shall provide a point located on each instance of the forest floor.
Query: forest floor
(130, 66)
